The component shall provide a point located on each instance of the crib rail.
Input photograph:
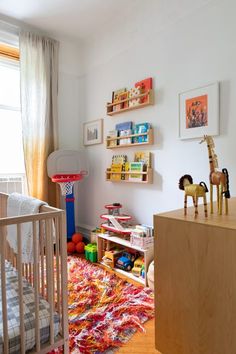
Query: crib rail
(47, 274)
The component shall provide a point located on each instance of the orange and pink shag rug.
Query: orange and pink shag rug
(104, 310)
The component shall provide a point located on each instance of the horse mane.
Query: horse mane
(181, 181)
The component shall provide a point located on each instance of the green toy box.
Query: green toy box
(91, 252)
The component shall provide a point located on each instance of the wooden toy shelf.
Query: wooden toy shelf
(147, 176)
(147, 253)
(148, 94)
(149, 141)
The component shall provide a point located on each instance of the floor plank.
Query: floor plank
(141, 343)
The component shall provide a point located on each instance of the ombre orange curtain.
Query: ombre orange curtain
(39, 87)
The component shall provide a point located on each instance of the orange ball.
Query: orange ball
(70, 247)
(80, 247)
(77, 237)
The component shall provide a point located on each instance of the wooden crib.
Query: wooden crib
(35, 309)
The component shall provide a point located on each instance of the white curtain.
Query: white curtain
(39, 86)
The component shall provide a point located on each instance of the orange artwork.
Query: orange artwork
(197, 112)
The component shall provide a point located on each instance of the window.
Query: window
(12, 171)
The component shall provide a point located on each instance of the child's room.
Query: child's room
(117, 177)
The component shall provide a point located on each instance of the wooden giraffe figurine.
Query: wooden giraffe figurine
(193, 190)
(220, 179)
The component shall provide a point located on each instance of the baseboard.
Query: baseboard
(85, 230)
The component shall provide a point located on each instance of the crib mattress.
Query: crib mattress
(29, 314)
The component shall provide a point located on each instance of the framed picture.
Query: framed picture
(199, 112)
(93, 132)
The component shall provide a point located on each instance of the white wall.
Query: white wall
(71, 101)
(194, 46)
(70, 93)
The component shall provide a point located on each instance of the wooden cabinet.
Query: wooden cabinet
(195, 282)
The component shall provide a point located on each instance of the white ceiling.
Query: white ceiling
(76, 19)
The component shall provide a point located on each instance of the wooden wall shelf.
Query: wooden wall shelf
(147, 176)
(149, 141)
(148, 94)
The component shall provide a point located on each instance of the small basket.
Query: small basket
(143, 242)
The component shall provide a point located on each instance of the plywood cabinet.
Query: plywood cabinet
(195, 282)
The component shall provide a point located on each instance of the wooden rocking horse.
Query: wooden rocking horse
(193, 190)
(220, 179)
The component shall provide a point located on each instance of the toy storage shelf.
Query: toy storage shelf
(117, 139)
(147, 253)
(148, 176)
(148, 95)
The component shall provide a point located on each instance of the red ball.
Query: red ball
(70, 247)
(80, 247)
(77, 237)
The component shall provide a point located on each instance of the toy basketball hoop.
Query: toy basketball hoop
(66, 167)
(67, 181)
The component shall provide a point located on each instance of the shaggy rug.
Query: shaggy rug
(104, 310)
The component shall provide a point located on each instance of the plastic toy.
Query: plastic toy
(77, 237)
(66, 167)
(143, 271)
(71, 247)
(138, 264)
(126, 261)
(193, 190)
(76, 245)
(91, 252)
(220, 179)
(115, 221)
(112, 255)
(80, 247)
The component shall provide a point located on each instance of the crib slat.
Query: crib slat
(36, 286)
(3, 284)
(58, 289)
(30, 274)
(20, 285)
(62, 233)
(41, 237)
(26, 272)
(49, 258)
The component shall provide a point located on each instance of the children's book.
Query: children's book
(139, 129)
(112, 134)
(116, 169)
(135, 167)
(120, 159)
(115, 98)
(144, 85)
(124, 126)
(144, 157)
(125, 133)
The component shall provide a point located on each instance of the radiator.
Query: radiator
(13, 183)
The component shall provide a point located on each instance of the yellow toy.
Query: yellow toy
(137, 268)
(220, 179)
(193, 190)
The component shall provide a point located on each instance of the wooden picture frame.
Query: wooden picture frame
(199, 112)
(93, 132)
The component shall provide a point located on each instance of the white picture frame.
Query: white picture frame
(199, 112)
(93, 132)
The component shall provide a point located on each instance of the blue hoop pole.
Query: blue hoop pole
(70, 215)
